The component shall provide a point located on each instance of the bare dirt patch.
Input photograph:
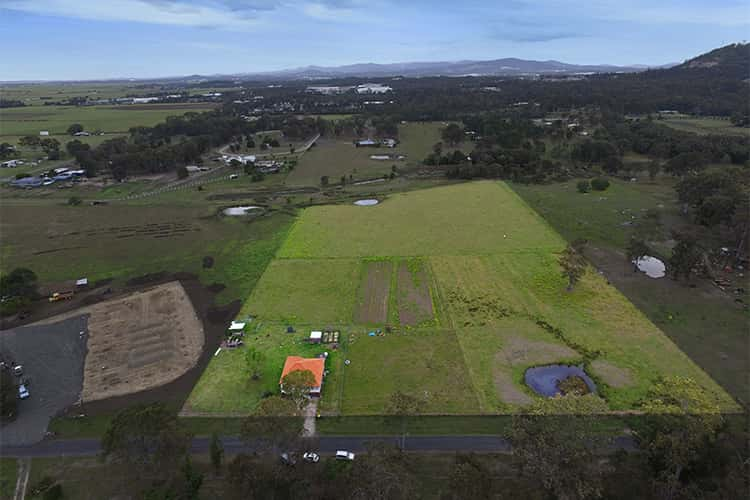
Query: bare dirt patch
(140, 341)
(508, 390)
(414, 300)
(518, 351)
(612, 375)
(375, 288)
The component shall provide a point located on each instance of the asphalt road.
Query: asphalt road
(324, 444)
(233, 445)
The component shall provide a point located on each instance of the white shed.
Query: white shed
(236, 326)
(316, 337)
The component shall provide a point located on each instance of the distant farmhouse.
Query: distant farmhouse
(373, 88)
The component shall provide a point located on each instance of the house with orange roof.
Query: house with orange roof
(314, 365)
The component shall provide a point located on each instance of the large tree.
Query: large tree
(681, 422)
(297, 385)
(75, 128)
(146, 436)
(276, 423)
(685, 255)
(573, 264)
(453, 134)
(383, 473)
(553, 444)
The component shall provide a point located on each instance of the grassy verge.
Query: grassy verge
(8, 473)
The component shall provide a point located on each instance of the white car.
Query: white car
(23, 392)
(311, 457)
(344, 455)
(234, 176)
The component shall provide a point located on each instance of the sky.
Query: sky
(93, 39)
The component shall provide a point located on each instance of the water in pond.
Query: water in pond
(366, 203)
(544, 379)
(653, 267)
(240, 210)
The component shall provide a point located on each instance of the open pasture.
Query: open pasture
(62, 242)
(705, 126)
(473, 287)
(474, 218)
(30, 120)
(339, 157)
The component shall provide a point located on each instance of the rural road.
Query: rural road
(325, 444)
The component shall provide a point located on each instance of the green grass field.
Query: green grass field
(501, 308)
(8, 474)
(427, 222)
(30, 120)
(705, 126)
(602, 217)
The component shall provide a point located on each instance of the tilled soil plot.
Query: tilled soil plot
(141, 341)
(414, 300)
(375, 288)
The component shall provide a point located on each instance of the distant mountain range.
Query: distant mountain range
(496, 67)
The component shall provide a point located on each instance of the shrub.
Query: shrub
(583, 187)
(74, 201)
(599, 184)
(573, 385)
(53, 493)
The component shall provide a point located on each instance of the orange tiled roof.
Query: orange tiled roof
(315, 365)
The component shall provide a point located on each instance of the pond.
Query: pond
(366, 203)
(234, 211)
(544, 380)
(653, 267)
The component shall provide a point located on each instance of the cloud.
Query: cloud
(226, 14)
(169, 12)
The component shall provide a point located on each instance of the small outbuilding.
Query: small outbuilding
(236, 326)
(316, 337)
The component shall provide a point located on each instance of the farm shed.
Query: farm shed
(316, 337)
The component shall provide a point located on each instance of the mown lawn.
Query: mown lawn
(426, 363)
(226, 386)
(306, 292)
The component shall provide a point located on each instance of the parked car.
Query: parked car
(234, 176)
(311, 457)
(287, 459)
(344, 455)
(23, 392)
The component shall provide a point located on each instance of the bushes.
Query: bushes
(599, 184)
(583, 186)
